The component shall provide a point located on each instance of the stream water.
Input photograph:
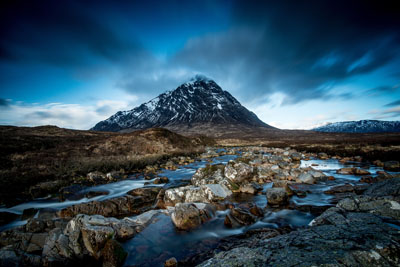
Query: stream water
(160, 240)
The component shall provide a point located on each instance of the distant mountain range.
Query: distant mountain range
(196, 103)
(363, 126)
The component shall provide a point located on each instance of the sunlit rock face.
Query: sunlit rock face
(200, 100)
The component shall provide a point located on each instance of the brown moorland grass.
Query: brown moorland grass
(30, 155)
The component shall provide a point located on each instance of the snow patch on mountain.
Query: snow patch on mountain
(362, 126)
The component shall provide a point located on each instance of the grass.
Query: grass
(33, 155)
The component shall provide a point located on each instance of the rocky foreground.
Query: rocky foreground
(360, 226)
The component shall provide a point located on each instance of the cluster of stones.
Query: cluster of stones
(91, 231)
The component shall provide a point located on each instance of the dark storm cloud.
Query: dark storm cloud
(393, 104)
(302, 49)
(4, 103)
(64, 33)
(299, 48)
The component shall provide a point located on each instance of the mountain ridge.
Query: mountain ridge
(362, 126)
(197, 101)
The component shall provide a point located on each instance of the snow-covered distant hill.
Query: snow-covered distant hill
(363, 126)
(198, 101)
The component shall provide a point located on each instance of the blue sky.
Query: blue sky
(295, 64)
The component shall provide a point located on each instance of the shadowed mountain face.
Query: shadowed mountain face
(199, 101)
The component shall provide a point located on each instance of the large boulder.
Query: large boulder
(89, 236)
(238, 172)
(187, 216)
(277, 196)
(339, 239)
(136, 202)
(206, 193)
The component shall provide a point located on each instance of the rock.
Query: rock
(72, 192)
(45, 188)
(8, 257)
(359, 171)
(148, 193)
(378, 163)
(276, 196)
(380, 206)
(35, 226)
(113, 254)
(392, 166)
(114, 176)
(284, 184)
(205, 193)
(357, 189)
(215, 192)
(120, 206)
(296, 156)
(36, 243)
(238, 172)
(306, 178)
(389, 187)
(92, 194)
(242, 216)
(187, 216)
(323, 156)
(251, 188)
(171, 262)
(161, 180)
(341, 238)
(97, 177)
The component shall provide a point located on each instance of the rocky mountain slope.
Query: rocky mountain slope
(197, 102)
(363, 126)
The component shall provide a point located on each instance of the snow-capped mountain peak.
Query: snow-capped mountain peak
(362, 126)
(200, 100)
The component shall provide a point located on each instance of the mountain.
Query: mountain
(193, 104)
(363, 126)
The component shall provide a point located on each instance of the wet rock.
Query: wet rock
(378, 163)
(346, 188)
(392, 166)
(296, 156)
(120, 206)
(97, 177)
(238, 172)
(240, 216)
(45, 188)
(389, 188)
(299, 190)
(114, 176)
(323, 155)
(92, 194)
(353, 171)
(113, 254)
(283, 184)
(161, 180)
(187, 216)
(306, 178)
(380, 206)
(35, 226)
(350, 239)
(88, 235)
(72, 192)
(171, 262)
(250, 188)
(276, 196)
(205, 193)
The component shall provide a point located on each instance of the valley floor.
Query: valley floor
(287, 201)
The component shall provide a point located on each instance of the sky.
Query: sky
(296, 64)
